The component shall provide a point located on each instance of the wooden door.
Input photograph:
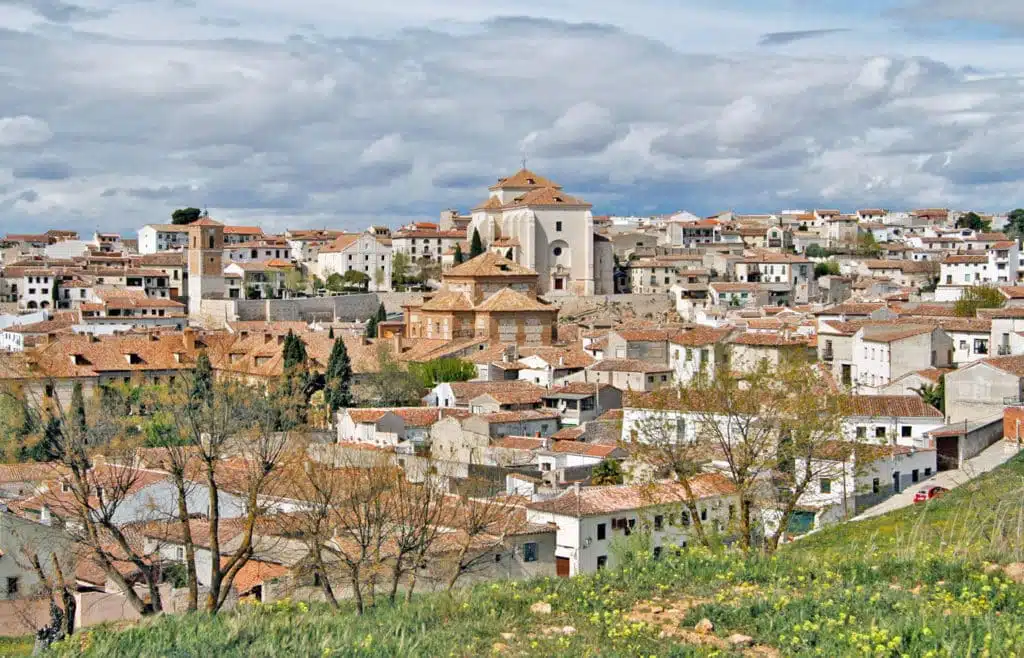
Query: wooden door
(562, 567)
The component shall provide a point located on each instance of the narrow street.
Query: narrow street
(993, 456)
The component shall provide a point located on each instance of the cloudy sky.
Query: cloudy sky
(340, 113)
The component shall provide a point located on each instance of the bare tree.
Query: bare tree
(481, 524)
(420, 514)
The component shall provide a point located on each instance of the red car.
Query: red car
(926, 494)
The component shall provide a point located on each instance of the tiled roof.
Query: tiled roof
(518, 443)
(242, 230)
(629, 365)
(507, 390)
(934, 374)
(964, 259)
(699, 336)
(575, 388)
(255, 572)
(361, 416)
(340, 243)
(513, 394)
(1013, 292)
(75, 355)
(905, 266)
(524, 178)
(546, 196)
(877, 406)
(508, 300)
(1011, 364)
(591, 501)
(586, 449)
(426, 416)
(448, 300)
(569, 433)
(489, 264)
(763, 339)
(519, 416)
(879, 333)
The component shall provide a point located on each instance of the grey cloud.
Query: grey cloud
(783, 38)
(44, 170)
(219, 21)
(28, 196)
(57, 11)
(359, 129)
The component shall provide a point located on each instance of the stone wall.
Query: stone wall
(615, 307)
(215, 313)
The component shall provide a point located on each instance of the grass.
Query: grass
(17, 646)
(912, 583)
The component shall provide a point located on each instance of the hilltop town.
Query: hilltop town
(206, 413)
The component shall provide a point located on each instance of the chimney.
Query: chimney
(188, 338)
(396, 342)
(576, 488)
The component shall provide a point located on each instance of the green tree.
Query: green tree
(608, 471)
(867, 245)
(974, 222)
(476, 247)
(335, 282)
(202, 379)
(458, 253)
(816, 251)
(294, 281)
(977, 297)
(371, 327)
(338, 378)
(78, 408)
(330, 332)
(828, 267)
(392, 385)
(354, 279)
(431, 373)
(1015, 224)
(294, 351)
(399, 269)
(934, 394)
(382, 313)
(185, 215)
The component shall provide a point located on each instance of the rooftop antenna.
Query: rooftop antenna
(524, 157)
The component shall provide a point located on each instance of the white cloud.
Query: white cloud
(23, 131)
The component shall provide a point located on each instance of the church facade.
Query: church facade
(532, 221)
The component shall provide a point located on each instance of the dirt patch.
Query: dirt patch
(668, 614)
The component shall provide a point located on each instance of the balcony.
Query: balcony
(1003, 350)
(827, 355)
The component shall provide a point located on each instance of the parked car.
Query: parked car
(926, 494)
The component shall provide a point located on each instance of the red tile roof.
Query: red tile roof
(592, 501)
(877, 406)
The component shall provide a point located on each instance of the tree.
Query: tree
(338, 378)
(867, 245)
(335, 282)
(1015, 224)
(294, 351)
(975, 297)
(476, 246)
(330, 332)
(294, 281)
(374, 322)
(816, 251)
(934, 394)
(828, 267)
(458, 253)
(354, 279)
(608, 471)
(433, 372)
(78, 408)
(186, 215)
(391, 385)
(973, 221)
(399, 269)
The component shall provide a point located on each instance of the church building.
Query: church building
(532, 221)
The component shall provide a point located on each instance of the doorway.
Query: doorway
(562, 567)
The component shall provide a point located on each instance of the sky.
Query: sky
(339, 114)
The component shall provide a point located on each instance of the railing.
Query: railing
(1013, 401)
(827, 355)
(1003, 350)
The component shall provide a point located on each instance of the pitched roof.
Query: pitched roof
(965, 259)
(592, 501)
(489, 264)
(585, 449)
(1011, 364)
(877, 406)
(509, 300)
(629, 365)
(499, 390)
(764, 339)
(449, 300)
(887, 333)
(519, 416)
(546, 196)
(524, 178)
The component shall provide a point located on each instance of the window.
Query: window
(825, 485)
(928, 471)
(876, 485)
(879, 432)
(861, 431)
(704, 514)
(602, 561)
(558, 227)
(659, 522)
(557, 251)
(664, 378)
(530, 552)
(12, 585)
(915, 475)
(732, 511)
(497, 558)
(657, 552)
(684, 518)
(602, 531)
(179, 552)
(906, 431)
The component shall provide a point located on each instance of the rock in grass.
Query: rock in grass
(541, 608)
(740, 640)
(1015, 572)
(704, 626)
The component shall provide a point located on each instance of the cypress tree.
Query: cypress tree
(338, 389)
(371, 327)
(330, 332)
(294, 351)
(458, 253)
(382, 314)
(78, 409)
(476, 247)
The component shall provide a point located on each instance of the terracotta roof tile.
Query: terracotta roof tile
(629, 365)
(490, 264)
(591, 501)
(877, 406)
(524, 178)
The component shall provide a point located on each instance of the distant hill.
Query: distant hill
(912, 583)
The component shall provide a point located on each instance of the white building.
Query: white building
(425, 242)
(359, 252)
(997, 266)
(882, 353)
(154, 238)
(589, 519)
(549, 232)
(890, 420)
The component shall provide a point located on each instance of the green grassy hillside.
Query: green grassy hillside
(913, 583)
